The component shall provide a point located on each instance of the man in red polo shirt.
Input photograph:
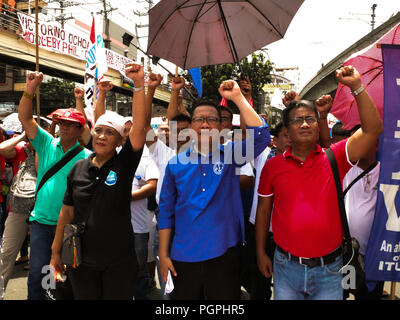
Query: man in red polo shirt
(299, 185)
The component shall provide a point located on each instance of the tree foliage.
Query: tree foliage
(56, 94)
(257, 68)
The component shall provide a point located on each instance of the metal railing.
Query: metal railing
(8, 18)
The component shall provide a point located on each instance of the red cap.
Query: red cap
(58, 112)
(223, 102)
(72, 115)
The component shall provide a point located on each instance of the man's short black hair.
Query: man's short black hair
(182, 117)
(295, 105)
(222, 107)
(278, 129)
(209, 103)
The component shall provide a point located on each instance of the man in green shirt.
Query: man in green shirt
(49, 199)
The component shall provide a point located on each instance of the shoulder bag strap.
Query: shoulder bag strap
(362, 174)
(340, 195)
(64, 160)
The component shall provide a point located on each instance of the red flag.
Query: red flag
(92, 33)
(223, 102)
(251, 102)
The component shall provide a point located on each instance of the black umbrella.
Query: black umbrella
(194, 33)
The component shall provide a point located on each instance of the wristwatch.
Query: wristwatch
(358, 91)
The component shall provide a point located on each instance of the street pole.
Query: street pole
(107, 42)
(373, 16)
(37, 58)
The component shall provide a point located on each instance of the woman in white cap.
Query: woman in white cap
(99, 195)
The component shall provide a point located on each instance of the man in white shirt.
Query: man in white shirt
(260, 286)
(143, 186)
(360, 203)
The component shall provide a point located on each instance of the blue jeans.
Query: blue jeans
(293, 281)
(42, 236)
(143, 277)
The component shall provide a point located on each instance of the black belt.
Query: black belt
(313, 262)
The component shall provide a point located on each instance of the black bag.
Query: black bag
(350, 245)
(63, 291)
(71, 252)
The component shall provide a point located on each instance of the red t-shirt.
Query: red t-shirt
(16, 163)
(306, 217)
(19, 158)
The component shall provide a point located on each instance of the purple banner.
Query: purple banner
(382, 259)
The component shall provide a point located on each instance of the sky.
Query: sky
(320, 30)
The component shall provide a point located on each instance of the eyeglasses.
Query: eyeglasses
(209, 120)
(68, 124)
(225, 119)
(298, 121)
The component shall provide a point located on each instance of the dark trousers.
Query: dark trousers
(116, 282)
(258, 286)
(364, 294)
(214, 279)
(23, 252)
(142, 280)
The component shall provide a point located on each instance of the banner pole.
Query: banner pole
(392, 290)
(37, 59)
(95, 94)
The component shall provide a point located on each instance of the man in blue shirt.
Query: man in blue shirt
(200, 200)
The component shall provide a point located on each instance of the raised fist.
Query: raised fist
(135, 72)
(105, 85)
(33, 81)
(154, 80)
(229, 90)
(324, 104)
(79, 93)
(289, 97)
(349, 77)
(177, 83)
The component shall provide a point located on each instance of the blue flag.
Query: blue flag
(195, 73)
(383, 250)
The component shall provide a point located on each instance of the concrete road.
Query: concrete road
(17, 287)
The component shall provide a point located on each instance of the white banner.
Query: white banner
(72, 43)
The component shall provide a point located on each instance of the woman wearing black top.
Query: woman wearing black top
(99, 194)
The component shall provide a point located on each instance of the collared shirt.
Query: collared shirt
(306, 219)
(200, 199)
(102, 198)
(49, 198)
(360, 203)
